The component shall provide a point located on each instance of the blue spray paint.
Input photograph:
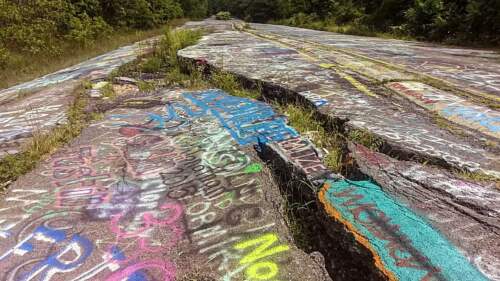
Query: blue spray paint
(473, 116)
(41, 233)
(368, 208)
(52, 264)
(248, 121)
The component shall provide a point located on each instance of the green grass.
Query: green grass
(23, 68)
(298, 222)
(365, 138)
(108, 92)
(164, 60)
(152, 65)
(231, 84)
(145, 86)
(13, 166)
(304, 122)
(476, 176)
(175, 41)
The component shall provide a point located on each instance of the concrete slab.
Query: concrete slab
(467, 213)
(474, 69)
(167, 192)
(412, 222)
(36, 113)
(475, 116)
(451, 107)
(343, 96)
(39, 105)
(98, 67)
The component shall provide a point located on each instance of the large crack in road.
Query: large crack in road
(411, 221)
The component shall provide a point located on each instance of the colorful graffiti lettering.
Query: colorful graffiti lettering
(452, 107)
(259, 267)
(406, 244)
(248, 122)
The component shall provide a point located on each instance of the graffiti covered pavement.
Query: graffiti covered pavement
(408, 214)
(171, 192)
(185, 185)
(39, 105)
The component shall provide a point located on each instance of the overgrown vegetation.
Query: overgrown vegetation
(231, 84)
(365, 138)
(15, 165)
(40, 36)
(451, 21)
(304, 122)
(223, 16)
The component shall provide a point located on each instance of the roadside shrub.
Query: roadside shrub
(223, 16)
(453, 21)
(345, 12)
(165, 10)
(425, 17)
(195, 9)
(86, 30)
(48, 26)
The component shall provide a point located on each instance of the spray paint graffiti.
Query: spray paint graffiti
(304, 156)
(405, 244)
(36, 113)
(248, 122)
(259, 267)
(465, 212)
(476, 69)
(101, 65)
(300, 74)
(135, 188)
(451, 107)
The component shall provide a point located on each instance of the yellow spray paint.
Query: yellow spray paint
(262, 251)
(362, 88)
(261, 270)
(327, 65)
(358, 85)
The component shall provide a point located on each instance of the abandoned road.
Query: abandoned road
(180, 184)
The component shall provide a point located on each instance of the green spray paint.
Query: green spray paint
(394, 221)
(253, 168)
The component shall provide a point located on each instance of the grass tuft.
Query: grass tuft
(477, 177)
(231, 84)
(108, 92)
(366, 138)
(145, 86)
(305, 123)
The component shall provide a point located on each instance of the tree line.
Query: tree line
(452, 21)
(42, 26)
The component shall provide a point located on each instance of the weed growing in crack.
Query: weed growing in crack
(231, 84)
(304, 122)
(108, 91)
(477, 177)
(365, 138)
(145, 86)
(164, 60)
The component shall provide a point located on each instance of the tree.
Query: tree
(195, 9)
